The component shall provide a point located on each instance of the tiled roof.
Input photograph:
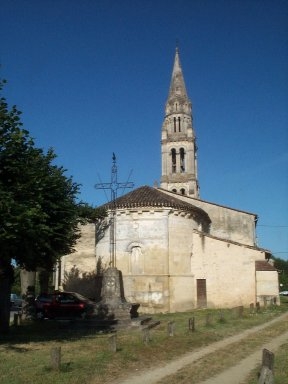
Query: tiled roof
(262, 265)
(148, 197)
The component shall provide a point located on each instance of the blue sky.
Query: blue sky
(92, 78)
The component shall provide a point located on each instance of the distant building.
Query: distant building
(177, 252)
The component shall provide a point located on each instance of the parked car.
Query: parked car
(15, 300)
(283, 293)
(63, 305)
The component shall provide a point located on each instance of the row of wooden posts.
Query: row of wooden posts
(266, 375)
(146, 336)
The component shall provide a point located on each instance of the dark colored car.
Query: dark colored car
(15, 300)
(64, 305)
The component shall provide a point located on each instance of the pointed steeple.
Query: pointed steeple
(179, 163)
(177, 85)
(177, 98)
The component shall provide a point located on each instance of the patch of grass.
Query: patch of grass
(86, 357)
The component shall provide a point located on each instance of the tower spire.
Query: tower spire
(177, 85)
(179, 163)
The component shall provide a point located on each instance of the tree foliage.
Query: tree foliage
(282, 267)
(39, 213)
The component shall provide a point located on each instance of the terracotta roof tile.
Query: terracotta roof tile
(262, 265)
(148, 197)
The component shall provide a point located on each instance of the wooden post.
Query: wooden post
(192, 324)
(146, 335)
(15, 320)
(266, 374)
(221, 317)
(55, 358)
(257, 307)
(208, 319)
(240, 311)
(268, 359)
(112, 343)
(171, 328)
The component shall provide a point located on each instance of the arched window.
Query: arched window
(137, 260)
(174, 124)
(174, 190)
(182, 160)
(182, 191)
(136, 256)
(179, 124)
(173, 156)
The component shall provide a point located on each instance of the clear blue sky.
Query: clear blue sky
(92, 78)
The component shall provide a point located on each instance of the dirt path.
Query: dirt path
(233, 375)
(237, 373)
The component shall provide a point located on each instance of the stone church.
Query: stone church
(177, 252)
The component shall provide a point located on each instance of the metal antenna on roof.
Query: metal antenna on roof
(113, 186)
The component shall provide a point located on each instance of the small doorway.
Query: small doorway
(201, 293)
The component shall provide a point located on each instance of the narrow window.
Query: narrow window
(182, 160)
(173, 154)
(179, 124)
(182, 191)
(174, 124)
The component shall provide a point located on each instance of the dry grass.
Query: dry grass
(86, 358)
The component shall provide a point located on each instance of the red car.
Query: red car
(64, 305)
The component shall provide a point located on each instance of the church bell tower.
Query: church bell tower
(178, 143)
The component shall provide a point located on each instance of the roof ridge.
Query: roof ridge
(146, 196)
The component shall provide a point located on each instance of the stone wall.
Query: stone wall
(153, 252)
(267, 286)
(227, 223)
(162, 256)
(84, 256)
(228, 268)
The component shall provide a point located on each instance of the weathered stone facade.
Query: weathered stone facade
(83, 258)
(226, 223)
(178, 141)
(177, 252)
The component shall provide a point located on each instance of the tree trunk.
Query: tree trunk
(44, 276)
(28, 279)
(6, 280)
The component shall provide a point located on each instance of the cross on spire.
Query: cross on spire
(113, 186)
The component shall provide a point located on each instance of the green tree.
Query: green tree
(39, 211)
(282, 267)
